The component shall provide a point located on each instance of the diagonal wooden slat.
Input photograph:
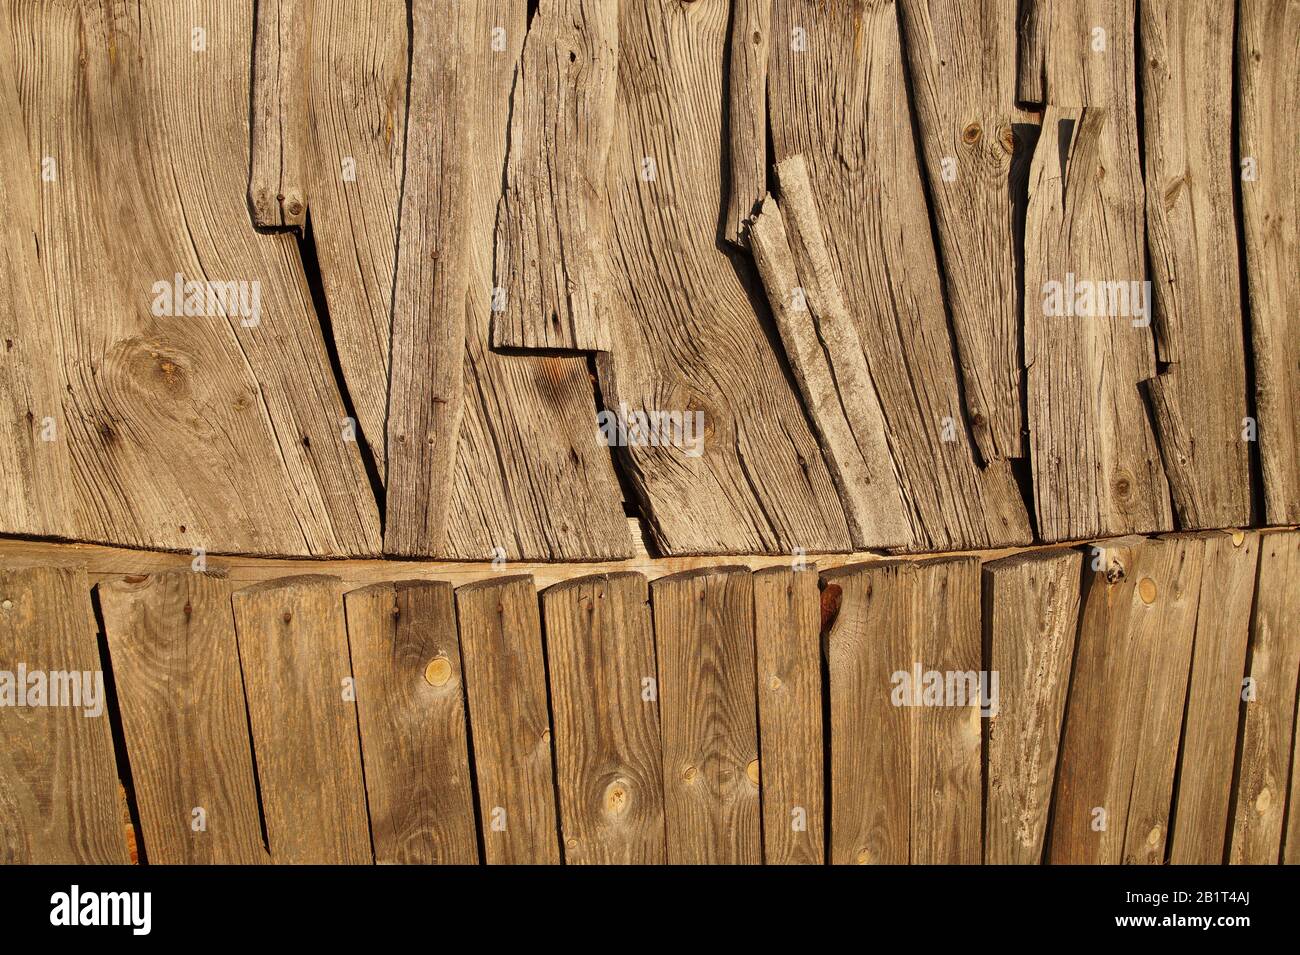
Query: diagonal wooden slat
(277, 187)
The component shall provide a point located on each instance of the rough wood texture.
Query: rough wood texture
(293, 650)
(176, 668)
(1266, 742)
(787, 650)
(59, 799)
(1030, 82)
(277, 187)
(747, 55)
(1199, 400)
(842, 102)
(411, 712)
(962, 59)
(1209, 746)
(551, 247)
(1031, 615)
(704, 630)
(1268, 48)
(905, 778)
(1125, 711)
(600, 653)
(505, 675)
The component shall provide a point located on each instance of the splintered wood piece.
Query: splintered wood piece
(1031, 608)
(551, 252)
(59, 797)
(411, 711)
(600, 652)
(1269, 116)
(751, 29)
(505, 677)
(787, 640)
(903, 653)
(293, 650)
(1270, 703)
(838, 95)
(704, 632)
(277, 181)
(1125, 711)
(1204, 791)
(962, 58)
(176, 669)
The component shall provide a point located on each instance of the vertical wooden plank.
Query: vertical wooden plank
(601, 658)
(293, 650)
(505, 679)
(787, 650)
(176, 667)
(704, 631)
(746, 145)
(1031, 616)
(277, 187)
(1266, 742)
(1204, 792)
(411, 712)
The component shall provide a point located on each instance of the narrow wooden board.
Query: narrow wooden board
(1031, 84)
(751, 36)
(293, 650)
(505, 677)
(59, 796)
(185, 721)
(905, 779)
(411, 712)
(1264, 762)
(1031, 617)
(704, 632)
(787, 650)
(277, 189)
(600, 653)
(1203, 795)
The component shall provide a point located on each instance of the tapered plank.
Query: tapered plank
(1031, 616)
(1268, 38)
(1030, 82)
(277, 189)
(751, 29)
(905, 769)
(704, 632)
(59, 797)
(505, 678)
(176, 668)
(600, 654)
(1266, 741)
(787, 650)
(411, 713)
(293, 651)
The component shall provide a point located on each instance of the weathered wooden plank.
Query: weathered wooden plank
(59, 796)
(1030, 81)
(1124, 714)
(747, 52)
(293, 651)
(704, 632)
(905, 764)
(838, 96)
(1266, 742)
(1199, 400)
(1204, 788)
(962, 59)
(1269, 117)
(176, 669)
(1031, 614)
(505, 677)
(601, 657)
(411, 713)
(787, 650)
(277, 187)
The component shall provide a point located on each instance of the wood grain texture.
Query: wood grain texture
(704, 632)
(411, 713)
(787, 651)
(1268, 45)
(176, 668)
(600, 654)
(1031, 616)
(277, 188)
(747, 56)
(505, 676)
(905, 775)
(841, 101)
(1265, 759)
(293, 650)
(1031, 84)
(59, 796)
